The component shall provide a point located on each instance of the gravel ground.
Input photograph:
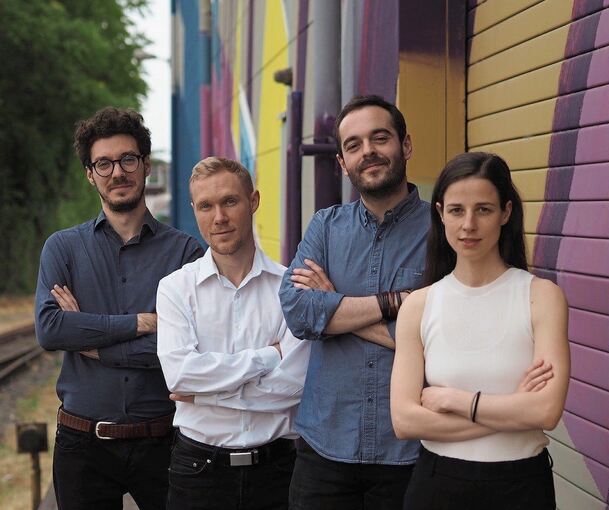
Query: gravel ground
(37, 373)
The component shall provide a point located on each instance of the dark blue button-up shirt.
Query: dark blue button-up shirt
(344, 413)
(112, 282)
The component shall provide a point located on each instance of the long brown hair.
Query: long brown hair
(441, 258)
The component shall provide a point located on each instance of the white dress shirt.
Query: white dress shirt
(215, 341)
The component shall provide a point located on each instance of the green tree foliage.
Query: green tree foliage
(61, 61)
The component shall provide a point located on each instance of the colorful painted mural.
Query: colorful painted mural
(527, 79)
(538, 94)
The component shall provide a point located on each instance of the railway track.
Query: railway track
(17, 347)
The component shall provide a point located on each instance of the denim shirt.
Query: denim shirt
(344, 413)
(112, 282)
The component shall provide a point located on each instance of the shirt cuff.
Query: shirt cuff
(270, 357)
(123, 327)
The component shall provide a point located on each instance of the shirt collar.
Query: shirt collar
(208, 267)
(400, 211)
(150, 221)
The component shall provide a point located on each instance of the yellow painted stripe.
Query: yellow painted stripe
(273, 103)
(532, 54)
(538, 19)
(421, 95)
(529, 241)
(531, 184)
(529, 120)
(532, 211)
(521, 154)
(527, 88)
(494, 11)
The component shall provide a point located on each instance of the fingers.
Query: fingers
(189, 399)
(65, 299)
(536, 376)
(93, 354)
(278, 347)
(313, 278)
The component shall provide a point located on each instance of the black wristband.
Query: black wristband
(475, 405)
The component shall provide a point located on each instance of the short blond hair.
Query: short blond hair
(214, 164)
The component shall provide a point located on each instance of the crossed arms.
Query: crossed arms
(443, 414)
(234, 380)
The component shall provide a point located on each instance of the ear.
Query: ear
(440, 212)
(90, 177)
(407, 146)
(506, 213)
(255, 201)
(147, 166)
(341, 162)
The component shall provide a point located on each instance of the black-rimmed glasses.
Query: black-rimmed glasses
(104, 167)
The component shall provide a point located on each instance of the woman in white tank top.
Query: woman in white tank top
(482, 358)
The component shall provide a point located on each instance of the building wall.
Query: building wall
(531, 84)
(538, 95)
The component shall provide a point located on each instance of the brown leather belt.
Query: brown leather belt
(159, 427)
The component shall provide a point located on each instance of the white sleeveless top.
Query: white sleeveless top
(481, 339)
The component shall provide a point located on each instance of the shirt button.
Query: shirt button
(123, 279)
(370, 364)
(370, 399)
(374, 270)
(379, 237)
(237, 295)
(126, 379)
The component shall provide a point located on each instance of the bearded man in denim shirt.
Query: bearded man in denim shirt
(342, 290)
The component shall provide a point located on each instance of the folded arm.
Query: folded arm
(360, 316)
(410, 419)
(277, 391)
(538, 409)
(191, 372)
(72, 330)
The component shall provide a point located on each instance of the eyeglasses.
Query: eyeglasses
(104, 167)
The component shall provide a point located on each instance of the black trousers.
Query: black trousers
(200, 480)
(94, 474)
(322, 484)
(444, 483)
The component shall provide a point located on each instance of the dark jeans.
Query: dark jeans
(444, 483)
(91, 473)
(199, 480)
(322, 484)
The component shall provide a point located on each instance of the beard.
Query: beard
(386, 186)
(125, 205)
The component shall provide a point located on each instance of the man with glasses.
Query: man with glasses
(95, 300)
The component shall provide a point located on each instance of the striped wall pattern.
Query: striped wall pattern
(227, 103)
(538, 95)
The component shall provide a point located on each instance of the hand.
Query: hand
(312, 278)
(146, 323)
(189, 399)
(93, 354)
(65, 299)
(444, 400)
(278, 347)
(536, 377)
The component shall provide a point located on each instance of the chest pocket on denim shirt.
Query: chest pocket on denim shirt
(407, 278)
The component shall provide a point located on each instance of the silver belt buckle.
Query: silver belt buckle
(97, 429)
(244, 458)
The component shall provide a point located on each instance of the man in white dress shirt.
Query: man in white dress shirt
(228, 357)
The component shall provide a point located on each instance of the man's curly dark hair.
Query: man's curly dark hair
(107, 122)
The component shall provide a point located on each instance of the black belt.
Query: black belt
(236, 457)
